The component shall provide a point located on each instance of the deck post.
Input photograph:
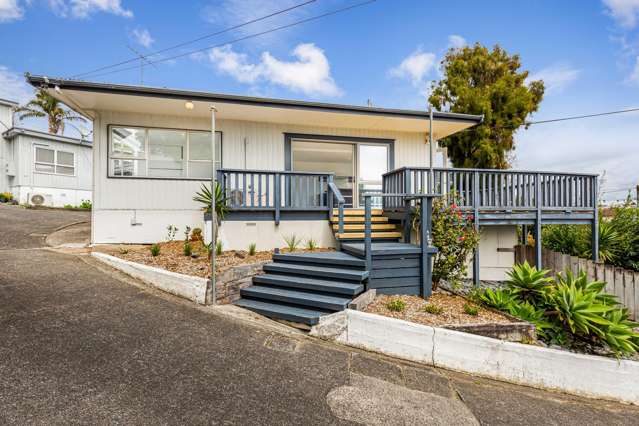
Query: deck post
(595, 222)
(277, 199)
(538, 221)
(426, 263)
(368, 249)
(476, 268)
(407, 226)
(329, 197)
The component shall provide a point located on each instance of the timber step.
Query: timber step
(374, 235)
(303, 283)
(316, 271)
(332, 258)
(296, 297)
(358, 212)
(360, 227)
(360, 219)
(282, 311)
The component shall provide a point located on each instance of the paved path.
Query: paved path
(81, 344)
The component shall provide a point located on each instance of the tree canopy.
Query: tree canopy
(490, 83)
(45, 105)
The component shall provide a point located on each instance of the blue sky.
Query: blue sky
(586, 51)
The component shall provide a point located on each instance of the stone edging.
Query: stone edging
(585, 375)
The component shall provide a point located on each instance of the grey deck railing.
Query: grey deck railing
(277, 191)
(487, 190)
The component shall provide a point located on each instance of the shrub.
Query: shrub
(85, 204)
(433, 309)
(568, 310)
(292, 242)
(311, 244)
(470, 309)
(252, 249)
(123, 250)
(155, 249)
(218, 248)
(455, 237)
(171, 230)
(187, 249)
(69, 206)
(196, 235)
(6, 197)
(396, 305)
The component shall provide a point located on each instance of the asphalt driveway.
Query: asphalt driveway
(82, 344)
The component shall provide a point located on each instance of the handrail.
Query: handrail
(273, 172)
(334, 190)
(505, 171)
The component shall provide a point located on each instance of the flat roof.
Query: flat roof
(94, 96)
(17, 131)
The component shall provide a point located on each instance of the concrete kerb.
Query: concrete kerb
(483, 356)
(192, 288)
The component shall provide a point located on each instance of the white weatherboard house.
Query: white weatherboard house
(285, 164)
(41, 168)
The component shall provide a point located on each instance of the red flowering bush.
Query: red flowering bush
(455, 237)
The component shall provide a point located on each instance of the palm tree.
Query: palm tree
(45, 105)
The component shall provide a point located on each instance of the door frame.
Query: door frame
(353, 140)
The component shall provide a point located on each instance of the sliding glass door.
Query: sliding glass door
(372, 164)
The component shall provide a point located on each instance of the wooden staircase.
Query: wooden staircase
(382, 230)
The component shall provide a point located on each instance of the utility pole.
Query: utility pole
(143, 62)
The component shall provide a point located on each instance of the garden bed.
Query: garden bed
(172, 258)
(450, 307)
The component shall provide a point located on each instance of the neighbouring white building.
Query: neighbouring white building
(40, 168)
(152, 152)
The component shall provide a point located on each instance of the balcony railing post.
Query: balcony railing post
(538, 221)
(476, 268)
(367, 232)
(329, 197)
(277, 199)
(595, 221)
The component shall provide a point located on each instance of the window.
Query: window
(49, 160)
(163, 153)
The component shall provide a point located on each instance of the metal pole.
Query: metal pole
(213, 212)
(431, 183)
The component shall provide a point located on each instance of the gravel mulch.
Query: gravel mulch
(452, 310)
(172, 257)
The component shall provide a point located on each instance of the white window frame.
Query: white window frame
(145, 158)
(55, 161)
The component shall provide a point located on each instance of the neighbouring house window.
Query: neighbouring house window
(162, 153)
(52, 161)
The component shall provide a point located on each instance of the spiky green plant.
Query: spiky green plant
(311, 244)
(499, 299)
(292, 242)
(155, 249)
(218, 248)
(396, 305)
(252, 249)
(527, 282)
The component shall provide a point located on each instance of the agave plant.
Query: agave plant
(499, 299)
(527, 282)
(204, 197)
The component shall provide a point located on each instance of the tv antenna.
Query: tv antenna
(143, 62)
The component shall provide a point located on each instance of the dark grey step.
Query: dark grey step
(284, 312)
(322, 258)
(316, 271)
(382, 248)
(305, 283)
(296, 297)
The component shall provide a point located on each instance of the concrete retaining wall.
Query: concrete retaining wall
(586, 375)
(192, 288)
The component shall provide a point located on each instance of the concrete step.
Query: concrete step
(309, 284)
(316, 271)
(304, 299)
(283, 312)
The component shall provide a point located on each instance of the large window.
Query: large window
(52, 161)
(162, 153)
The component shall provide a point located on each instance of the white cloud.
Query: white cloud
(310, 73)
(143, 37)
(625, 12)
(13, 87)
(456, 41)
(556, 77)
(415, 67)
(633, 78)
(10, 10)
(84, 8)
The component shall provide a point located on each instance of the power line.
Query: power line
(577, 117)
(195, 40)
(250, 36)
